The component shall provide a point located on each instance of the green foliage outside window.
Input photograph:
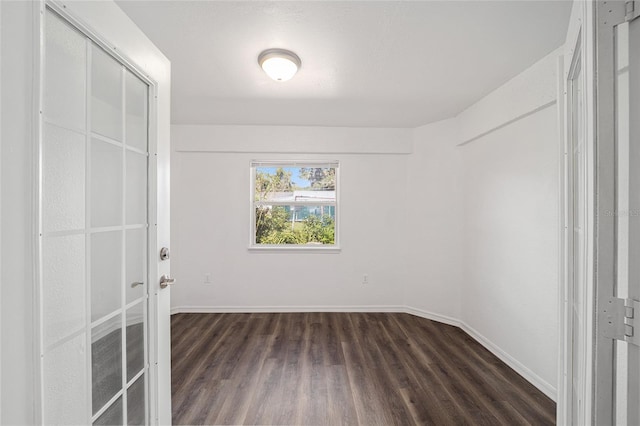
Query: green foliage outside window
(279, 224)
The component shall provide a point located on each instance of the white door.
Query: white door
(99, 335)
(618, 298)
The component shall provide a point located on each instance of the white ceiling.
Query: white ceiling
(377, 64)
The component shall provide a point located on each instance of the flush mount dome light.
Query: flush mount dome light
(279, 64)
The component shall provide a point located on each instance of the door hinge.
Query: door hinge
(619, 320)
(630, 10)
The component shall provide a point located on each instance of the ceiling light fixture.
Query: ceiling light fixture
(279, 64)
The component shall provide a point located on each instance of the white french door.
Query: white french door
(94, 234)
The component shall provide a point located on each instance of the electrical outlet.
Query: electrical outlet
(207, 278)
(365, 279)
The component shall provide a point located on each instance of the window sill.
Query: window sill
(294, 249)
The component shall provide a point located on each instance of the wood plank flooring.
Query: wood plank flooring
(342, 369)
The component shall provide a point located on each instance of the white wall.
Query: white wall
(510, 285)
(435, 258)
(511, 223)
(210, 221)
(17, 282)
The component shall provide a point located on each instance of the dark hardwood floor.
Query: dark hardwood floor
(342, 369)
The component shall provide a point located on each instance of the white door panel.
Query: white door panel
(94, 236)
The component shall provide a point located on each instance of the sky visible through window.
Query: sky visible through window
(295, 175)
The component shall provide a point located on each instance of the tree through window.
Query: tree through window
(294, 203)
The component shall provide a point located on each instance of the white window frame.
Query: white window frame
(324, 248)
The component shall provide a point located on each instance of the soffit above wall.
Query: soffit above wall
(291, 139)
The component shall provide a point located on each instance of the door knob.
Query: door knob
(166, 281)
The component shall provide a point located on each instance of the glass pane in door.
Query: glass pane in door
(63, 179)
(136, 412)
(65, 383)
(106, 273)
(136, 188)
(106, 183)
(65, 79)
(64, 295)
(136, 98)
(106, 362)
(136, 326)
(106, 95)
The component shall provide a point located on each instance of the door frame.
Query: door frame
(608, 16)
(152, 67)
(595, 22)
(579, 45)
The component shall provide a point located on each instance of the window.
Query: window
(294, 204)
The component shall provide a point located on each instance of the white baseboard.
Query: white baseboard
(520, 368)
(432, 316)
(275, 309)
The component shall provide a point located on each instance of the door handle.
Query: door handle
(136, 284)
(166, 281)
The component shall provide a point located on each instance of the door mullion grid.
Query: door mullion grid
(87, 225)
(123, 286)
